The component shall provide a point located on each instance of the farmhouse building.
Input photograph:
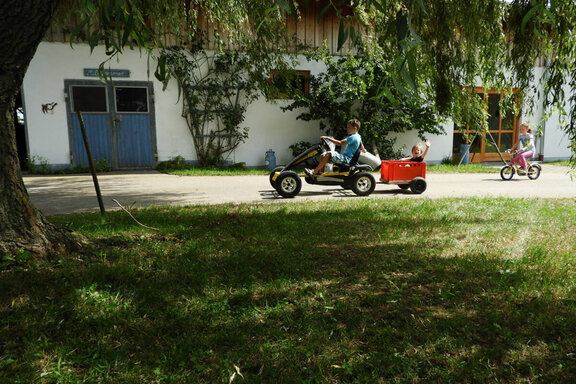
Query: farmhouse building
(134, 123)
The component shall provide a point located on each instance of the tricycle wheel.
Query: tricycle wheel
(272, 182)
(363, 184)
(507, 172)
(404, 186)
(418, 185)
(288, 184)
(534, 172)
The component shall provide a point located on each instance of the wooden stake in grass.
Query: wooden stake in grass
(91, 162)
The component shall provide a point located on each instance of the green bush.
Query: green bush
(299, 147)
(450, 160)
(177, 163)
(352, 87)
(37, 165)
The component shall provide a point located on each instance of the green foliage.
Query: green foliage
(450, 160)
(456, 45)
(453, 166)
(176, 163)
(222, 170)
(350, 88)
(179, 166)
(37, 165)
(433, 50)
(216, 88)
(299, 147)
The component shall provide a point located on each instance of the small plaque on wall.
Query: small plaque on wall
(93, 72)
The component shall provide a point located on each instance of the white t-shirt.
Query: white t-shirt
(527, 140)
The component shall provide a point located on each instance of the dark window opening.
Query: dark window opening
(289, 83)
(89, 99)
(131, 99)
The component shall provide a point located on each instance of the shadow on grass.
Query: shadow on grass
(287, 296)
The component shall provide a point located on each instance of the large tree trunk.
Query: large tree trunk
(22, 27)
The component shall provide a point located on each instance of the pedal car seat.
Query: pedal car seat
(353, 164)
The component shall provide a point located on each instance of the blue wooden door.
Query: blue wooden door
(133, 127)
(92, 101)
(119, 124)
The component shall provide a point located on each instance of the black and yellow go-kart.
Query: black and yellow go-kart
(352, 175)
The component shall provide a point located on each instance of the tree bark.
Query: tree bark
(22, 226)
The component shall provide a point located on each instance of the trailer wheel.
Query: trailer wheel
(404, 186)
(288, 184)
(418, 185)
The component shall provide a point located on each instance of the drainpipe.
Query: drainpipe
(541, 141)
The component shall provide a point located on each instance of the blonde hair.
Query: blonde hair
(525, 124)
(419, 145)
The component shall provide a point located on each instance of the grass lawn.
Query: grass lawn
(430, 168)
(218, 171)
(356, 291)
(227, 171)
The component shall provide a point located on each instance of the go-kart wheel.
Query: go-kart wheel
(404, 186)
(507, 172)
(272, 182)
(347, 185)
(534, 172)
(418, 185)
(288, 184)
(363, 184)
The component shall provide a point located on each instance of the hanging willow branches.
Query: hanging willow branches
(440, 47)
(443, 48)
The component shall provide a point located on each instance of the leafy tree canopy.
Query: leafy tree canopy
(443, 48)
(437, 48)
(349, 88)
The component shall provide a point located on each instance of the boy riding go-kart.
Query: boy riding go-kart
(343, 169)
(351, 175)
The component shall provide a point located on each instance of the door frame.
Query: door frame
(111, 105)
(479, 157)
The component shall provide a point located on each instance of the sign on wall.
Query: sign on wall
(93, 72)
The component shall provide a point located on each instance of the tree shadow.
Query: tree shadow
(244, 289)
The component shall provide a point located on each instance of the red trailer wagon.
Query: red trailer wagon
(405, 174)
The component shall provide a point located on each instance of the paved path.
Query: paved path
(75, 193)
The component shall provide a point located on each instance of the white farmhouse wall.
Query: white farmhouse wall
(44, 83)
(552, 142)
(270, 127)
(556, 143)
(440, 148)
(48, 137)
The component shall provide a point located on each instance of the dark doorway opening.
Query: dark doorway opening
(20, 126)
